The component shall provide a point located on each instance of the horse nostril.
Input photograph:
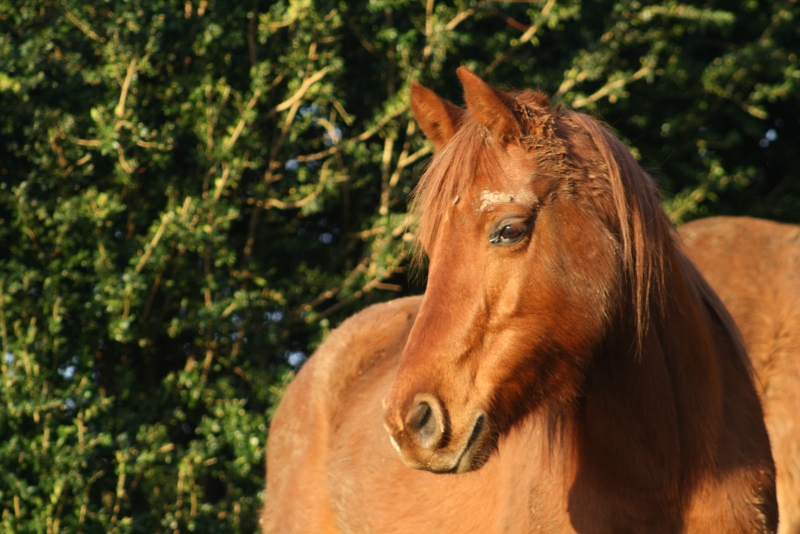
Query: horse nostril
(425, 422)
(422, 422)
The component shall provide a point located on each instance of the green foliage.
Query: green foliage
(193, 193)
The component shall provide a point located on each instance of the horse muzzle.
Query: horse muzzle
(425, 440)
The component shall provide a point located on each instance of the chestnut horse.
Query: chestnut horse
(567, 370)
(755, 268)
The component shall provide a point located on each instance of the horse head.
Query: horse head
(539, 229)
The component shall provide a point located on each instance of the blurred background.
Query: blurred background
(194, 192)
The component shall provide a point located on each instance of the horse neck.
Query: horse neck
(648, 418)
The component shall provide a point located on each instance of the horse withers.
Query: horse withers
(567, 369)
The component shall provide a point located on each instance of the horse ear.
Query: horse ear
(437, 117)
(491, 107)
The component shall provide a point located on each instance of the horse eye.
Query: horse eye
(509, 233)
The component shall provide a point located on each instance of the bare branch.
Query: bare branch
(424, 151)
(322, 297)
(62, 162)
(366, 44)
(274, 203)
(527, 36)
(460, 17)
(120, 109)
(603, 91)
(149, 249)
(242, 120)
(426, 52)
(226, 171)
(342, 113)
(82, 27)
(388, 149)
(251, 33)
(300, 93)
(122, 161)
(87, 142)
(362, 137)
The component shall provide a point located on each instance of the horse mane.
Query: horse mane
(647, 237)
(644, 232)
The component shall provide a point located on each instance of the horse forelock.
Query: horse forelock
(447, 178)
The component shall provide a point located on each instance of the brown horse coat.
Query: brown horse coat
(754, 266)
(566, 360)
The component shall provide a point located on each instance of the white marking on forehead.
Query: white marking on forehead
(489, 198)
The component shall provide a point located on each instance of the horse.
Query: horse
(754, 266)
(567, 369)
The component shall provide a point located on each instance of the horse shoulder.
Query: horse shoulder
(298, 499)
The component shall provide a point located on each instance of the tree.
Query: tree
(193, 193)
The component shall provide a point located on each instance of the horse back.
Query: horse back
(754, 266)
(298, 494)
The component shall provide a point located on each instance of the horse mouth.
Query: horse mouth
(468, 460)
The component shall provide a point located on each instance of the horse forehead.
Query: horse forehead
(510, 180)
